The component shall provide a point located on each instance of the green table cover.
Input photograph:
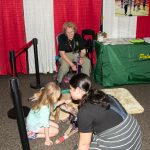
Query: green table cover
(122, 64)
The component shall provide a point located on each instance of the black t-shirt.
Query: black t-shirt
(74, 45)
(94, 118)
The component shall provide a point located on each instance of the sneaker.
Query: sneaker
(67, 78)
(32, 136)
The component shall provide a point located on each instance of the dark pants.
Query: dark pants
(125, 9)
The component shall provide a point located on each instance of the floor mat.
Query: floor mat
(131, 105)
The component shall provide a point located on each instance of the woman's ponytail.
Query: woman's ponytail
(98, 97)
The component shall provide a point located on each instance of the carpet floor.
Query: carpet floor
(9, 133)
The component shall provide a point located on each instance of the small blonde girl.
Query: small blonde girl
(38, 121)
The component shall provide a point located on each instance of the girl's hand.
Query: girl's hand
(48, 142)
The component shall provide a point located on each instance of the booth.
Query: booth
(122, 64)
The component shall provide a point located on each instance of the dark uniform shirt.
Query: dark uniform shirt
(94, 118)
(74, 45)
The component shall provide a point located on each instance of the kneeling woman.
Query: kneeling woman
(102, 121)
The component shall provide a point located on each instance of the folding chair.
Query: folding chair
(89, 36)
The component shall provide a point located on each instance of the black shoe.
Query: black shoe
(58, 83)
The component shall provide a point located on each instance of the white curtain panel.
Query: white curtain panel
(39, 23)
(117, 26)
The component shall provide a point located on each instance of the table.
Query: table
(122, 64)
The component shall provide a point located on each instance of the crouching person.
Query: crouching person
(103, 123)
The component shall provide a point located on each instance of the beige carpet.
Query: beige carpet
(131, 105)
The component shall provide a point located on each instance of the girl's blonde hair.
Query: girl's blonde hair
(69, 24)
(49, 95)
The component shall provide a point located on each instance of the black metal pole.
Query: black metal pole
(37, 86)
(19, 112)
(12, 113)
(12, 60)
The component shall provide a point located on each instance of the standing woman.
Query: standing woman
(102, 121)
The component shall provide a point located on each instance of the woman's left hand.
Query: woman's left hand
(81, 61)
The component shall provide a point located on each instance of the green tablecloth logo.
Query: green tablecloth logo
(143, 56)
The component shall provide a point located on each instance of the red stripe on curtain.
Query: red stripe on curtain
(84, 13)
(12, 34)
(143, 25)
